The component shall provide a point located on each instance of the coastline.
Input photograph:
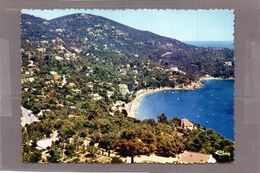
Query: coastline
(140, 94)
(207, 77)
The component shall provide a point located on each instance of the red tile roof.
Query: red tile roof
(186, 122)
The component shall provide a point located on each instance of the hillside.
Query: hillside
(90, 33)
(80, 72)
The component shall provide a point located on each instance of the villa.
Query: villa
(186, 124)
(123, 89)
(47, 142)
(96, 96)
(28, 117)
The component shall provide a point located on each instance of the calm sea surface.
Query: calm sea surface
(212, 106)
(215, 44)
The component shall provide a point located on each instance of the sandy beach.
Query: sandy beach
(140, 94)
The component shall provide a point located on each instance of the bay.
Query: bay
(211, 106)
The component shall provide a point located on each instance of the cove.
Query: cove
(211, 106)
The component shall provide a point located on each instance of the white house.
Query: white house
(47, 142)
(27, 117)
(123, 89)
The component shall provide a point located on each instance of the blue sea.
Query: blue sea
(212, 106)
(215, 44)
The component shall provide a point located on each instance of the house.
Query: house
(109, 93)
(55, 75)
(123, 89)
(72, 116)
(78, 91)
(188, 157)
(122, 72)
(96, 96)
(118, 106)
(90, 85)
(64, 81)
(71, 140)
(31, 79)
(41, 49)
(186, 124)
(28, 117)
(47, 142)
(174, 69)
(58, 58)
(228, 63)
(60, 105)
(71, 85)
(86, 143)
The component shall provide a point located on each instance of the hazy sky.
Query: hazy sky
(184, 25)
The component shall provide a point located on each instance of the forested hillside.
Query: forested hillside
(80, 71)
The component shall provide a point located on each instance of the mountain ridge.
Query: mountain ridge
(88, 32)
(68, 17)
(103, 18)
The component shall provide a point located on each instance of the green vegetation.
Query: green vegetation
(75, 93)
(141, 138)
(70, 109)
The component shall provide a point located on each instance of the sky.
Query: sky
(184, 25)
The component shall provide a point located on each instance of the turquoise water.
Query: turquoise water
(212, 106)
